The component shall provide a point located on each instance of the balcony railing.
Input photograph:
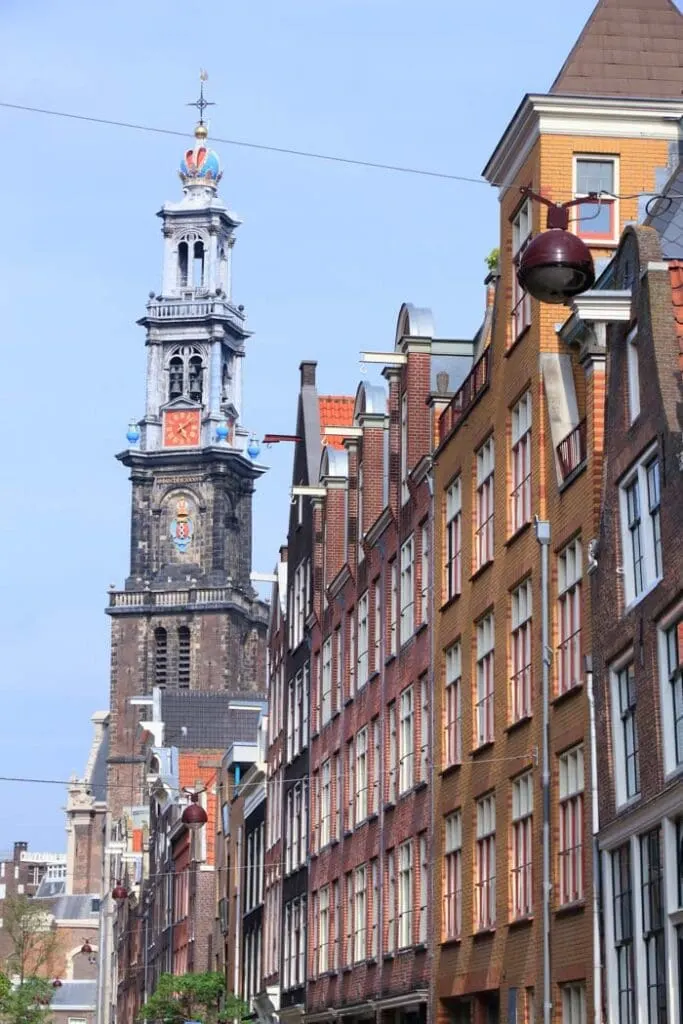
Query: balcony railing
(571, 451)
(132, 600)
(192, 308)
(462, 401)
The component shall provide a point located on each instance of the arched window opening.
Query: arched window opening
(183, 260)
(195, 378)
(183, 657)
(198, 265)
(225, 387)
(160, 657)
(175, 378)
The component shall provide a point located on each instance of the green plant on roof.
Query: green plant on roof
(493, 259)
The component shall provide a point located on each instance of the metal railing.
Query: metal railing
(464, 398)
(571, 451)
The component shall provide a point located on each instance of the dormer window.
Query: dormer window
(186, 374)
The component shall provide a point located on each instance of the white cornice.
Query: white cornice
(604, 306)
(578, 115)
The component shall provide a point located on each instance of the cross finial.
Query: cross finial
(201, 104)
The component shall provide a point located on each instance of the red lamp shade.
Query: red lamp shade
(555, 266)
(119, 893)
(86, 947)
(56, 983)
(194, 815)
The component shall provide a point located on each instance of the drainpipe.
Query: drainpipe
(431, 907)
(542, 528)
(384, 605)
(597, 874)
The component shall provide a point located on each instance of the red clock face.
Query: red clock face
(181, 427)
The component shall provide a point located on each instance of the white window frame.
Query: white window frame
(406, 890)
(424, 574)
(625, 730)
(453, 560)
(360, 915)
(485, 505)
(405, 491)
(571, 825)
(393, 606)
(325, 802)
(452, 877)
(361, 775)
(360, 533)
(520, 463)
(326, 683)
(407, 589)
(338, 670)
(641, 528)
(424, 728)
(377, 625)
(424, 890)
(406, 745)
(485, 866)
(521, 632)
(452, 747)
(363, 652)
(569, 614)
(671, 687)
(374, 931)
(391, 901)
(324, 930)
(392, 778)
(633, 372)
(350, 784)
(574, 1003)
(522, 846)
(349, 942)
(485, 683)
(520, 315)
(351, 625)
(593, 238)
(376, 763)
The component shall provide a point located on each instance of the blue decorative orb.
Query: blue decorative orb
(133, 435)
(222, 431)
(254, 449)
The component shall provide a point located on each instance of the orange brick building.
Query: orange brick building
(523, 438)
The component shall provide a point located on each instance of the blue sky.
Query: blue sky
(324, 259)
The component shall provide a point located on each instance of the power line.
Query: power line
(284, 150)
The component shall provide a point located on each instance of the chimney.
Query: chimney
(307, 369)
(19, 848)
(442, 383)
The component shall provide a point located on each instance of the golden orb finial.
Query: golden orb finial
(201, 131)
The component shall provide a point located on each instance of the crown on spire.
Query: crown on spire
(200, 167)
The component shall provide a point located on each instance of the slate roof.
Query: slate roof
(98, 778)
(205, 721)
(335, 411)
(80, 995)
(76, 908)
(627, 48)
(50, 887)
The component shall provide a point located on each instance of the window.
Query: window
(424, 729)
(299, 606)
(377, 626)
(569, 569)
(424, 573)
(393, 752)
(424, 890)
(391, 896)
(406, 740)
(405, 493)
(520, 459)
(633, 374)
(522, 810)
(326, 683)
(673, 699)
(622, 906)
(338, 669)
(453, 567)
(405, 895)
(596, 217)
(520, 652)
(641, 535)
(652, 893)
(375, 766)
(407, 589)
(374, 937)
(186, 374)
(625, 733)
(361, 532)
(324, 930)
(349, 943)
(573, 1004)
(485, 885)
(325, 802)
(483, 542)
(361, 775)
(360, 915)
(571, 825)
(393, 607)
(363, 640)
(351, 633)
(336, 902)
(338, 791)
(521, 302)
(160, 657)
(485, 695)
(452, 876)
(350, 785)
(453, 707)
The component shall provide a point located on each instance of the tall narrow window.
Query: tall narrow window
(363, 639)
(374, 937)
(654, 512)
(653, 901)
(634, 521)
(483, 546)
(484, 724)
(520, 653)
(325, 802)
(521, 302)
(522, 809)
(673, 706)
(633, 374)
(571, 825)
(595, 179)
(391, 901)
(452, 880)
(453, 707)
(453, 568)
(405, 894)
(407, 589)
(160, 657)
(573, 1004)
(374, 809)
(626, 733)
(336, 903)
(326, 683)
(198, 265)
(424, 574)
(520, 459)
(360, 915)
(195, 378)
(361, 534)
(323, 930)
(351, 634)
(393, 753)
(362, 775)
(622, 905)
(393, 607)
(485, 885)
(405, 493)
(424, 728)
(424, 890)
(183, 657)
(377, 626)
(569, 570)
(350, 785)
(349, 944)
(407, 741)
(175, 378)
(338, 669)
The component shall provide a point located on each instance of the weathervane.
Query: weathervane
(201, 104)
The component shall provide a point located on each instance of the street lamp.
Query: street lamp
(194, 815)
(119, 893)
(556, 265)
(86, 947)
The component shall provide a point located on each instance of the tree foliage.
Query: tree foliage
(493, 259)
(33, 939)
(25, 1003)
(192, 997)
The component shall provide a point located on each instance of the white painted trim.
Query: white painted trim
(263, 577)
(343, 431)
(613, 239)
(308, 492)
(603, 307)
(641, 819)
(389, 358)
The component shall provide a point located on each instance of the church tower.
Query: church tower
(188, 616)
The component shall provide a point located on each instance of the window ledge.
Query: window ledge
(389, 805)
(347, 700)
(447, 604)
(373, 816)
(450, 768)
(335, 714)
(571, 477)
(568, 909)
(371, 961)
(387, 956)
(406, 643)
(346, 969)
(334, 841)
(315, 734)
(484, 933)
(513, 726)
(520, 922)
(560, 698)
(642, 595)
(519, 532)
(482, 747)
(348, 832)
(390, 658)
(513, 344)
(419, 786)
(627, 805)
(421, 628)
(453, 940)
(481, 570)
(373, 676)
(313, 855)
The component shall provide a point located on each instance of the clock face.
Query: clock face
(181, 427)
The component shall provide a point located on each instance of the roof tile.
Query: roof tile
(335, 411)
